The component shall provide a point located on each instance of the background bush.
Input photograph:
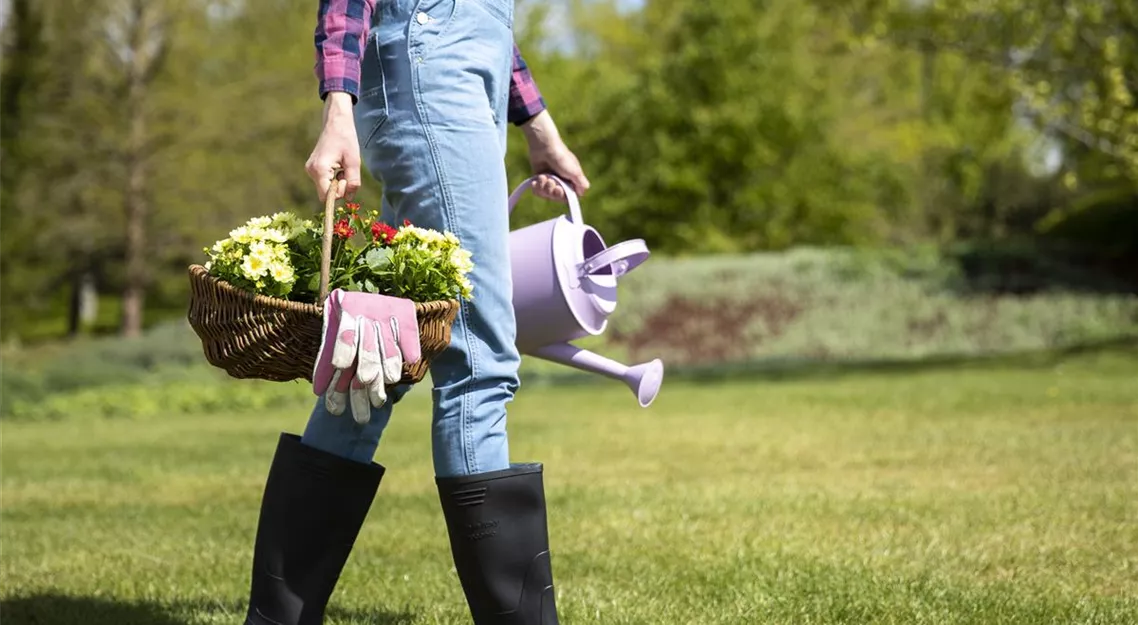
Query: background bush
(803, 306)
(865, 304)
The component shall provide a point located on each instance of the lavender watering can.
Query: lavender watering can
(565, 280)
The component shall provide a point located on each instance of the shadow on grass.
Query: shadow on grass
(55, 609)
(792, 369)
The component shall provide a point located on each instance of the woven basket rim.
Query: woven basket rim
(200, 272)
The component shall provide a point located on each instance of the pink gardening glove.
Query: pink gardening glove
(367, 338)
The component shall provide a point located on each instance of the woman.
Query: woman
(425, 91)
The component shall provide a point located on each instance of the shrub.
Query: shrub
(804, 304)
(850, 304)
(159, 398)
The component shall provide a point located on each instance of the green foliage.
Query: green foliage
(34, 374)
(727, 127)
(1106, 220)
(420, 265)
(281, 256)
(161, 373)
(821, 305)
(731, 127)
(806, 306)
(257, 257)
(1071, 65)
(169, 398)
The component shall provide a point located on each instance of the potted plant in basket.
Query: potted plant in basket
(256, 303)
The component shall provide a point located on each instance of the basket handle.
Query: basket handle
(326, 249)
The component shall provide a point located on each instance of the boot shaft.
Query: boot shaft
(312, 510)
(500, 543)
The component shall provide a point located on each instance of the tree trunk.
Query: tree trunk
(139, 67)
(135, 291)
(84, 305)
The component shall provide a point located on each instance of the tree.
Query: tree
(23, 45)
(736, 126)
(1073, 64)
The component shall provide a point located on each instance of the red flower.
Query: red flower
(382, 232)
(343, 229)
(406, 222)
(353, 206)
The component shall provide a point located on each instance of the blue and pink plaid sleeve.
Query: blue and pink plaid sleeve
(341, 33)
(525, 98)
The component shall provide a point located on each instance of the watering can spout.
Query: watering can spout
(644, 379)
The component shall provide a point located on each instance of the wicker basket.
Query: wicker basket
(256, 336)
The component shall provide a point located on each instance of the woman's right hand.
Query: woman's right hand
(338, 147)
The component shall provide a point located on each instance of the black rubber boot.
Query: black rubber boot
(311, 513)
(500, 543)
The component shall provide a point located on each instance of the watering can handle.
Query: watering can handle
(623, 257)
(574, 204)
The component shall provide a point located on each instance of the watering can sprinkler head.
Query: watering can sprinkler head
(644, 379)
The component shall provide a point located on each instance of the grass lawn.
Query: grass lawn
(1001, 493)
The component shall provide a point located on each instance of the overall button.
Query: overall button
(422, 18)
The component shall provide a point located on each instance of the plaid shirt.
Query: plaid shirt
(341, 33)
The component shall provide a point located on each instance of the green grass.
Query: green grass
(997, 493)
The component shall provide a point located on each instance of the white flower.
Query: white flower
(254, 266)
(260, 222)
(280, 253)
(281, 272)
(276, 235)
(240, 235)
(423, 235)
(460, 259)
(290, 225)
(262, 250)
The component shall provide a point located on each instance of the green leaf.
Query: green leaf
(377, 258)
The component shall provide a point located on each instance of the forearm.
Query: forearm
(341, 34)
(526, 100)
(540, 130)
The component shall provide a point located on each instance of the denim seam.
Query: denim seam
(377, 91)
(424, 49)
(448, 220)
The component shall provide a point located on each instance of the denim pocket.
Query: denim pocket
(371, 110)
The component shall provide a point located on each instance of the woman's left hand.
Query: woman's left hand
(548, 154)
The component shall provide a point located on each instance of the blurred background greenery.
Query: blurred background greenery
(839, 180)
(894, 282)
